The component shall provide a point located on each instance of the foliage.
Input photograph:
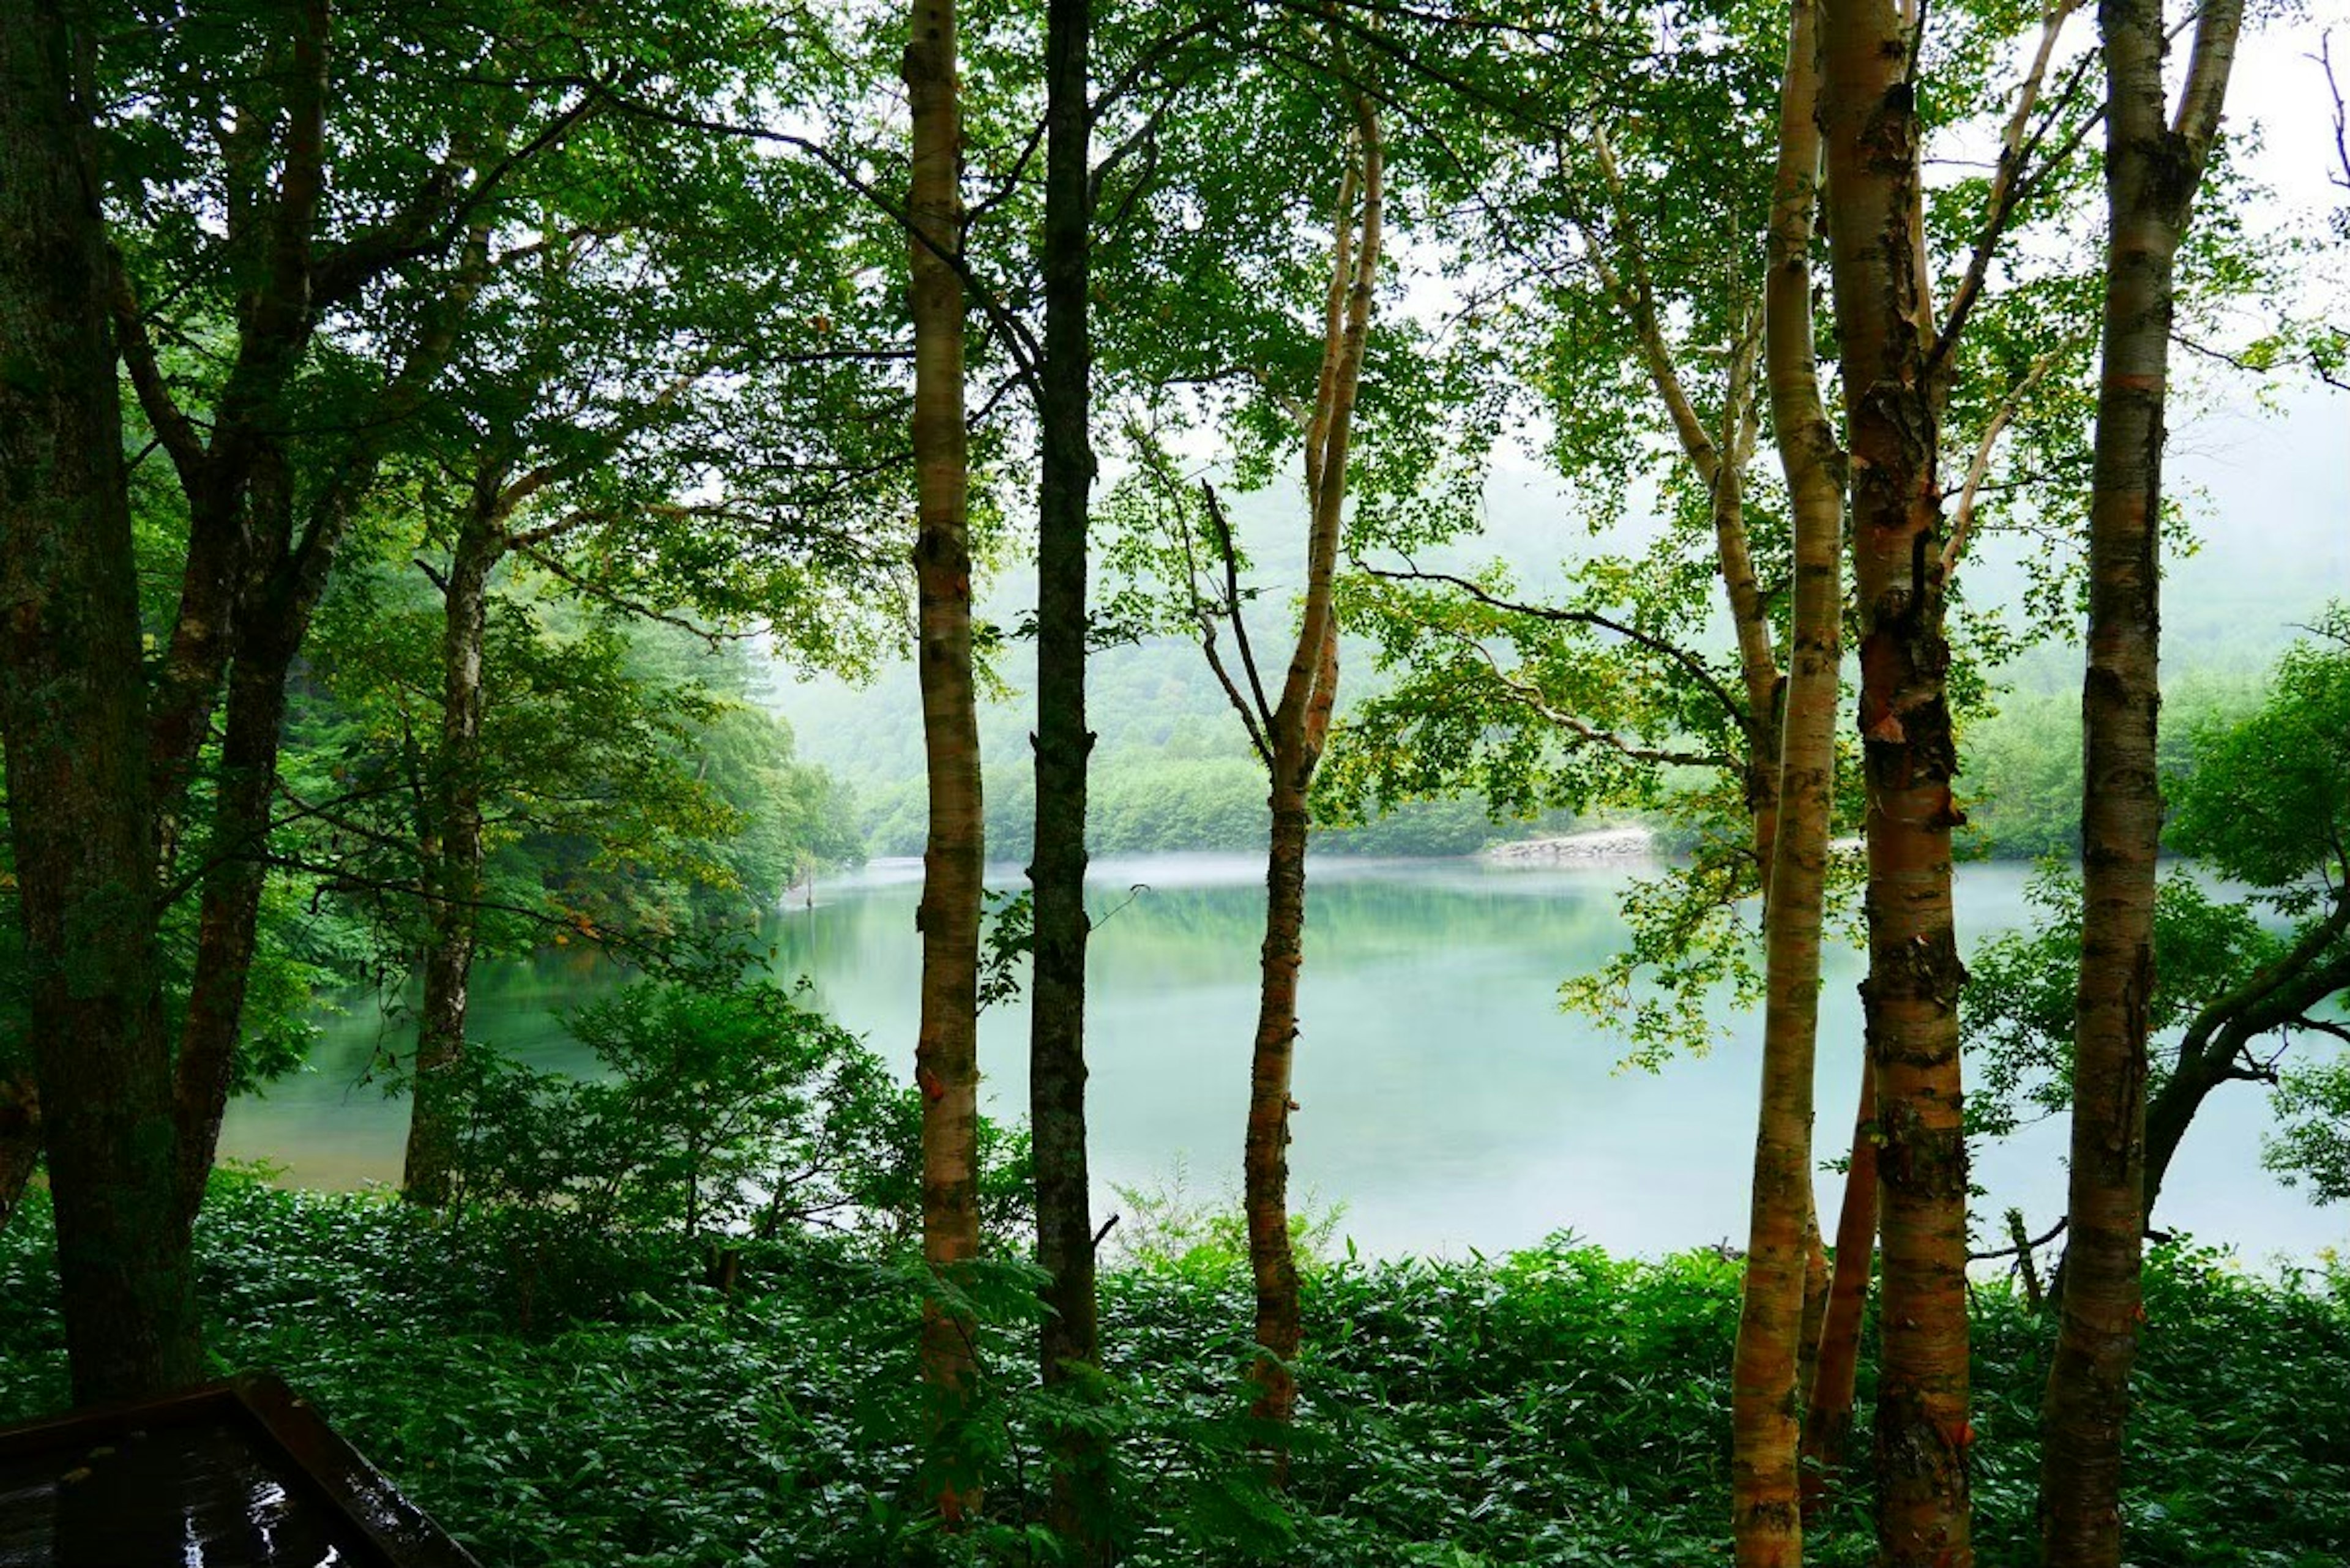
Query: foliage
(2023, 778)
(2312, 1144)
(1171, 801)
(1165, 1225)
(2021, 991)
(627, 786)
(2269, 801)
(724, 1107)
(2251, 939)
(1555, 1407)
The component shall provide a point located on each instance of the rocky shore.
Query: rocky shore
(1603, 845)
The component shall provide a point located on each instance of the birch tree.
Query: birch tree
(2155, 158)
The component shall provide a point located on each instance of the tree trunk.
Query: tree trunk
(1828, 1419)
(453, 855)
(1068, 1337)
(1884, 322)
(1280, 1321)
(20, 1141)
(946, 1058)
(272, 618)
(2151, 171)
(1294, 734)
(1766, 1518)
(73, 710)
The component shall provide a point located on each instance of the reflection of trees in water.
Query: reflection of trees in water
(1355, 918)
(1206, 933)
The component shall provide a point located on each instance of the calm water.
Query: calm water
(1445, 1101)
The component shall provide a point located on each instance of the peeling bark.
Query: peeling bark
(1294, 733)
(1871, 128)
(2151, 173)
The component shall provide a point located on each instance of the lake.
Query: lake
(1445, 1101)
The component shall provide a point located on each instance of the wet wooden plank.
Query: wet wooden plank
(238, 1474)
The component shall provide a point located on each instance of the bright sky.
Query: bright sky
(2289, 469)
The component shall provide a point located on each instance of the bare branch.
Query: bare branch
(1232, 598)
(2340, 173)
(173, 427)
(1254, 719)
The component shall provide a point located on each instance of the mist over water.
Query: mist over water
(1445, 1101)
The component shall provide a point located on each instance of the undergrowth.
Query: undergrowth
(1557, 1407)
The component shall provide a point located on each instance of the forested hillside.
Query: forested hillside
(1171, 770)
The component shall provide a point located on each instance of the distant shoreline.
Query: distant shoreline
(1601, 846)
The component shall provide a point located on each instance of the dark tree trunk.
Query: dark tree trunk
(1068, 1337)
(946, 1058)
(453, 855)
(229, 917)
(2151, 173)
(73, 708)
(20, 1141)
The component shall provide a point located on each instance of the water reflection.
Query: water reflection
(1444, 1098)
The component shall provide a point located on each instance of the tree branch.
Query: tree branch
(1962, 517)
(1231, 557)
(1585, 732)
(2005, 189)
(1688, 661)
(1018, 340)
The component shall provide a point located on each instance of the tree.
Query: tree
(73, 710)
(2267, 806)
(1068, 1340)
(584, 438)
(2259, 800)
(946, 1057)
(2153, 165)
(1767, 1398)
(1289, 734)
(1891, 363)
(293, 241)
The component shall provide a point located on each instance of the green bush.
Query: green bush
(725, 1112)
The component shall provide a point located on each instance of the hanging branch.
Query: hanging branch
(1253, 719)
(1689, 662)
(1224, 548)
